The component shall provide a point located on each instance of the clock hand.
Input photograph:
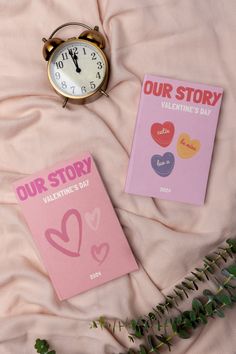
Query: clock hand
(75, 60)
(76, 63)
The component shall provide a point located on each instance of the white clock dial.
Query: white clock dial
(77, 68)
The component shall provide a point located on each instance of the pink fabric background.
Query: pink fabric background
(184, 39)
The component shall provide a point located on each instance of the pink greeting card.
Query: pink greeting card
(74, 226)
(173, 140)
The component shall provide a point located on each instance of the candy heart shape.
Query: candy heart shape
(64, 241)
(93, 218)
(99, 253)
(163, 133)
(186, 147)
(163, 165)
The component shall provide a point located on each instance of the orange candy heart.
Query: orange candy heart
(186, 147)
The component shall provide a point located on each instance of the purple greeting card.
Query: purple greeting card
(74, 226)
(173, 140)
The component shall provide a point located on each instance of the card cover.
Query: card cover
(74, 226)
(173, 140)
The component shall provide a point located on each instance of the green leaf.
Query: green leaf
(52, 352)
(209, 308)
(178, 294)
(195, 285)
(203, 318)
(102, 322)
(232, 244)
(220, 313)
(223, 257)
(205, 273)
(208, 294)
(197, 306)
(232, 270)
(138, 330)
(209, 259)
(174, 325)
(94, 324)
(178, 320)
(187, 285)
(142, 350)
(152, 344)
(200, 270)
(233, 298)
(184, 334)
(158, 325)
(198, 276)
(208, 266)
(144, 324)
(138, 333)
(133, 324)
(165, 341)
(185, 293)
(225, 272)
(229, 252)
(42, 346)
(187, 323)
(223, 298)
(152, 316)
(229, 286)
(192, 316)
(160, 308)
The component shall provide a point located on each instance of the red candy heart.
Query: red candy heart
(163, 133)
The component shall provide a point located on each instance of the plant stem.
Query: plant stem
(206, 267)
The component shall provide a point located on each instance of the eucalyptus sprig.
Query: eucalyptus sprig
(181, 291)
(158, 330)
(42, 347)
(210, 305)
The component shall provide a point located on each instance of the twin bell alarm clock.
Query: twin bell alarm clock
(78, 68)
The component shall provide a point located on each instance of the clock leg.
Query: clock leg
(104, 93)
(65, 102)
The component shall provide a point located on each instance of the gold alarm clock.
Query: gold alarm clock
(78, 68)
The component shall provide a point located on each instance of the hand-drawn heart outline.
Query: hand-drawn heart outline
(96, 252)
(63, 235)
(163, 139)
(93, 218)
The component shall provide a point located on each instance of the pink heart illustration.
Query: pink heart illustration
(61, 239)
(99, 253)
(93, 218)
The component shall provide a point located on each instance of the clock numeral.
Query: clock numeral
(64, 56)
(92, 85)
(57, 75)
(99, 64)
(59, 64)
(83, 89)
(84, 51)
(98, 76)
(75, 50)
(63, 85)
(73, 89)
(93, 55)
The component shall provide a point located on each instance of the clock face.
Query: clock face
(77, 68)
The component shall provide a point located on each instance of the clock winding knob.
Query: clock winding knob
(94, 36)
(49, 46)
